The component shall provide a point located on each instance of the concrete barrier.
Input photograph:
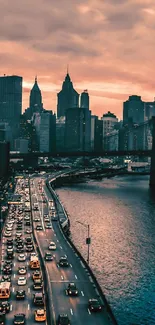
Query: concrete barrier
(95, 281)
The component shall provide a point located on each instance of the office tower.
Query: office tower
(77, 129)
(35, 101)
(4, 158)
(60, 134)
(47, 132)
(149, 110)
(5, 132)
(67, 97)
(110, 122)
(96, 133)
(133, 111)
(84, 99)
(10, 99)
(22, 145)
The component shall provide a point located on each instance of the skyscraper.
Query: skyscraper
(84, 99)
(133, 111)
(35, 101)
(47, 131)
(10, 99)
(67, 97)
(109, 123)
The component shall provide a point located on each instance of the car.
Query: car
(20, 294)
(63, 319)
(28, 231)
(63, 261)
(94, 305)
(6, 278)
(10, 255)
(20, 249)
(40, 315)
(7, 269)
(52, 246)
(72, 289)
(4, 307)
(48, 226)
(7, 234)
(39, 227)
(36, 275)
(37, 284)
(27, 218)
(8, 263)
(9, 241)
(22, 281)
(2, 318)
(47, 219)
(27, 223)
(38, 299)
(22, 269)
(21, 257)
(29, 248)
(28, 240)
(36, 219)
(19, 319)
(48, 257)
(9, 249)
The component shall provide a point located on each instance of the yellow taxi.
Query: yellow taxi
(40, 315)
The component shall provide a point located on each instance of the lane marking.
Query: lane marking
(89, 312)
(82, 264)
(10, 307)
(14, 264)
(13, 289)
(62, 277)
(28, 307)
(71, 311)
(66, 256)
(61, 247)
(90, 278)
(82, 293)
(14, 275)
(75, 276)
(70, 265)
(28, 290)
(57, 240)
(28, 275)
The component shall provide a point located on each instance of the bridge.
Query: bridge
(138, 153)
(33, 156)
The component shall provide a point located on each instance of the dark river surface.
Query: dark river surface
(121, 215)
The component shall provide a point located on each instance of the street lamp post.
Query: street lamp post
(88, 239)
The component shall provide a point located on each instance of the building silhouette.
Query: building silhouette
(67, 97)
(10, 99)
(84, 99)
(110, 122)
(133, 111)
(47, 131)
(35, 101)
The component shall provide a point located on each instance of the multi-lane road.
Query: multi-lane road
(76, 307)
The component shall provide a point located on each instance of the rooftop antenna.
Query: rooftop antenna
(67, 68)
(36, 78)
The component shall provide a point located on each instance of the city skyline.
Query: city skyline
(41, 39)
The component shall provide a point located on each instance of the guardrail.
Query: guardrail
(46, 279)
(96, 284)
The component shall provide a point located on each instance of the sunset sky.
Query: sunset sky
(108, 44)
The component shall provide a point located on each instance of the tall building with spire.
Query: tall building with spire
(67, 97)
(35, 101)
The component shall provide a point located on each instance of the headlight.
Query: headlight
(76, 292)
(70, 291)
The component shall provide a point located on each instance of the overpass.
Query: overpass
(118, 153)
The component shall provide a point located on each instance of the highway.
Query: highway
(75, 307)
(19, 306)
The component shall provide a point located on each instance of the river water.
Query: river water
(121, 215)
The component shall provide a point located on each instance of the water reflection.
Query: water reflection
(121, 214)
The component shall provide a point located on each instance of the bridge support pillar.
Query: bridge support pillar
(152, 170)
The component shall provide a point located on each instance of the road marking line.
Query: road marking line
(13, 289)
(66, 256)
(14, 264)
(28, 275)
(71, 311)
(57, 240)
(75, 276)
(54, 234)
(82, 293)
(70, 265)
(61, 247)
(62, 277)
(14, 275)
(11, 308)
(89, 312)
(28, 290)
(28, 307)
(90, 278)
(82, 264)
